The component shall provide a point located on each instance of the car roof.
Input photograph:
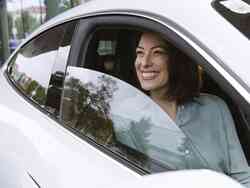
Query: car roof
(198, 18)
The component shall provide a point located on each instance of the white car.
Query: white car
(61, 102)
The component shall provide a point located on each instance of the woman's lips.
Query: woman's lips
(149, 75)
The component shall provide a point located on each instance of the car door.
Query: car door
(95, 130)
(40, 151)
(103, 103)
(24, 107)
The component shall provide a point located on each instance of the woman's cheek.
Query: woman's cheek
(136, 65)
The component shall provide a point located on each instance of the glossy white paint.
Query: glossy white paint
(51, 154)
(181, 179)
(54, 157)
(198, 18)
(13, 175)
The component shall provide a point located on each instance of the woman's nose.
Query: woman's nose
(146, 60)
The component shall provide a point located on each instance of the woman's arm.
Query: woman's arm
(238, 166)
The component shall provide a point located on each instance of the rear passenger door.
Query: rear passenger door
(29, 132)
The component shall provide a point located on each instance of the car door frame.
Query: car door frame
(232, 85)
(174, 33)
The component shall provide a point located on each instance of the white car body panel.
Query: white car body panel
(180, 179)
(55, 157)
(50, 153)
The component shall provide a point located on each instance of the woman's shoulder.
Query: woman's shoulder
(209, 101)
(209, 109)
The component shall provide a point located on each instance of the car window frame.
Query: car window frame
(236, 19)
(56, 68)
(170, 31)
(12, 82)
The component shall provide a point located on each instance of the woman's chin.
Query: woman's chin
(148, 87)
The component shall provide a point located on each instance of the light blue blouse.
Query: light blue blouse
(211, 140)
(208, 123)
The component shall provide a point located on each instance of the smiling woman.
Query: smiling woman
(161, 70)
(152, 62)
(112, 91)
(173, 111)
(165, 72)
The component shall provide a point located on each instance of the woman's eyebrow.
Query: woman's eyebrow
(140, 47)
(157, 46)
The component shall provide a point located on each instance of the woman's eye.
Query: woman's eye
(159, 52)
(139, 53)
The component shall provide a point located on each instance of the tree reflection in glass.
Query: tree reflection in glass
(32, 88)
(90, 107)
(119, 116)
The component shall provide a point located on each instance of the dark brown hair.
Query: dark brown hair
(184, 80)
(184, 77)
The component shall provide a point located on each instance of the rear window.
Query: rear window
(237, 12)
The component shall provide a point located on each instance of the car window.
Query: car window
(137, 94)
(31, 67)
(101, 101)
(114, 114)
(58, 71)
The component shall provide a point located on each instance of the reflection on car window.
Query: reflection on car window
(32, 66)
(115, 114)
(57, 76)
(106, 47)
(170, 125)
(237, 12)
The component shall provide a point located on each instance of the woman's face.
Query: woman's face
(151, 63)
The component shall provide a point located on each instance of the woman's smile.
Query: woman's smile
(152, 63)
(149, 75)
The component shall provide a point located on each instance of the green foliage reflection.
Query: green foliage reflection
(86, 107)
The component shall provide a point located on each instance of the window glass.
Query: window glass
(31, 67)
(101, 101)
(119, 116)
(237, 12)
(142, 100)
(106, 47)
(112, 98)
(58, 73)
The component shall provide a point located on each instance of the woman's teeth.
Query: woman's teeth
(148, 75)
